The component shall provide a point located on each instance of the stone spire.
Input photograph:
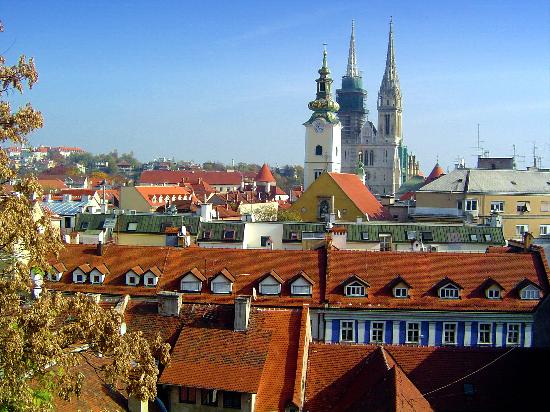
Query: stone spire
(352, 70)
(390, 79)
(323, 105)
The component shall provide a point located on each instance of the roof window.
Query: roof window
(132, 227)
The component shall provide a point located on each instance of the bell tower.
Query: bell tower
(323, 130)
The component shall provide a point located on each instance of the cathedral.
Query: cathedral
(341, 138)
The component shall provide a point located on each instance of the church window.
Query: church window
(318, 150)
(387, 102)
(387, 123)
(321, 87)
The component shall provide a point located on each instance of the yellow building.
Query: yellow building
(518, 199)
(341, 194)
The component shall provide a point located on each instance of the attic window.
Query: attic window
(95, 279)
(355, 289)
(427, 236)
(132, 227)
(401, 292)
(365, 235)
(493, 293)
(79, 279)
(132, 280)
(228, 234)
(530, 293)
(84, 225)
(449, 292)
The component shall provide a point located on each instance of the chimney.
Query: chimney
(169, 303)
(99, 249)
(242, 313)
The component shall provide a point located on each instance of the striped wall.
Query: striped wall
(432, 332)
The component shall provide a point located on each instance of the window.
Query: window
(188, 395)
(545, 206)
(449, 333)
(132, 227)
(264, 240)
(228, 234)
(530, 293)
(497, 206)
(150, 281)
(377, 332)
(221, 287)
(209, 397)
(459, 204)
(79, 279)
(207, 234)
(488, 237)
(96, 279)
(355, 289)
(270, 288)
(471, 205)
(317, 173)
(322, 87)
(318, 150)
(84, 225)
(400, 292)
(484, 336)
(493, 293)
(293, 236)
(523, 207)
(473, 237)
(413, 332)
(190, 286)
(544, 229)
(521, 230)
(512, 334)
(301, 289)
(132, 280)
(385, 243)
(365, 235)
(232, 400)
(347, 331)
(427, 236)
(449, 292)
(387, 124)
(67, 222)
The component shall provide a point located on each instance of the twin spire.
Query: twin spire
(352, 70)
(390, 79)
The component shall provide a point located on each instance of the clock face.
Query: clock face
(318, 126)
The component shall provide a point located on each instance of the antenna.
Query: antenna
(479, 148)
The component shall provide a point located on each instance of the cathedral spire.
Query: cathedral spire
(391, 79)
(323, 105)
(352, 70)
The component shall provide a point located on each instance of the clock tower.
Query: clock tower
(323, 130)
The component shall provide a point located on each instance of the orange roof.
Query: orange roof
(360, 195)
(176, 176)
(49, 184)
(246, 266)
(436, 172)
(425, 271)
(265, 175)
(155, 192)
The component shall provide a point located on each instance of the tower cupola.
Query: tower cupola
(323, 106)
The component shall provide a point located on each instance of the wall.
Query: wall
(140, 239)
(247, 403)
(255, 230)
(130, 199)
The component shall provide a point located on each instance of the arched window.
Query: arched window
(318, 150)
(360, 154)
(371, 157)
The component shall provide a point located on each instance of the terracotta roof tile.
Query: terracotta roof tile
(176, 176)
(265, 175)
(360, 195)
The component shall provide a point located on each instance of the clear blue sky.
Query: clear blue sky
(216, 80)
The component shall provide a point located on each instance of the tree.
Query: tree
(43, 340)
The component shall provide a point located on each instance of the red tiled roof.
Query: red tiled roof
(424, 271)
(77, 192)
(265, 175)
(148, 192)
(176, 176)
(360, 195)
(49, 184)
(436, 172)
(262, 360)
(246, 266)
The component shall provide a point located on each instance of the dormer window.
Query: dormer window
(79, 279)
(449, 292)
(493, 293)
(95, 279)
(57, 271)
(80, 274)
(355, 289)
(98, 273)
(270, 284)
(132, 227)
(400, 287)
(222, 283)
(293, 236)
(400, 292)
(302, 286)
(133, 275)
(228, 234)
(530, 292)
(192, 281)
(151, 277)
(365, 235)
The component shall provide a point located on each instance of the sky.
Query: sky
(219, 80)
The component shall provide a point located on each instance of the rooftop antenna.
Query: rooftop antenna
(515, 156)
(479, 147)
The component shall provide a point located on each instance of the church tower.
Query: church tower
(387, 163)
(353, 112)
(323, 130)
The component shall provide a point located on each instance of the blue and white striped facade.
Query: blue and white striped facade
(468, 328)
